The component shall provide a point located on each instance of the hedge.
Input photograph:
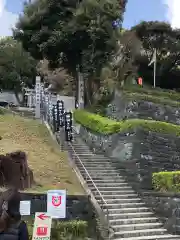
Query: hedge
(95, 122)
(64, 229)
(166, 181)
(104, 125)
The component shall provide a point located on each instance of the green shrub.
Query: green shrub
(104, 125)
(95, 122)
(64, 229)
(166, 181)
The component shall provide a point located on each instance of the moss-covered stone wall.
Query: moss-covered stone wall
(145, 105)
(136, 147)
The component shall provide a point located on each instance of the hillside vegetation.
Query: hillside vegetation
(50, 166)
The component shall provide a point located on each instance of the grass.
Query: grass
(157, 92)
(157, 95)
(50, 166)
(151, 98)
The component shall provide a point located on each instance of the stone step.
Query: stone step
(128, 210)
(124, 205)
(148, 220)
(94, 161)
(95, 168)
(116, 188)
(130, 215)
(109, 181)
(76, 145)
(99, 171)
(154, 237)
(122, 200)
(138, 226)
(95, 165)
(116, 192)
(100, 176)
(109, 184)
(81, 148)
(138, 233)
(84, 155)
(99, 167)
(117, 196)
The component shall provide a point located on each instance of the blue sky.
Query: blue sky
(136, 11)
(148, 10)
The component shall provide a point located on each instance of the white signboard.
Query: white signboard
(25, 208)
(56, 203)
(42, 226)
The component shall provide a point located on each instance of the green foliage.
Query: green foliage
(166, 181)
(83, 29)
(157, 92)
(152, 98)
(166, 40)
(103, 125)
(72, 35)
(61, 230)
(95, 122)
(17, 67)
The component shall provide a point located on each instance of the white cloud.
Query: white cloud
(172, 14)
(7, 20)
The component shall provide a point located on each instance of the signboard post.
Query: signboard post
(38, 97)
(81, 91)
(42, 226)
(56, 203)
(68, 126)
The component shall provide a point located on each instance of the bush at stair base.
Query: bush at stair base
(166, 181)
(104, 125)
(75, 230)
(14, 171)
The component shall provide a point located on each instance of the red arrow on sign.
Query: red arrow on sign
(43, 216)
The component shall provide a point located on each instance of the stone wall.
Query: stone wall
(122, 107)
(167, 207)
(137, 154)
(78, 208)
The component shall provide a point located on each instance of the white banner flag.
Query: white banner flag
(153, 60)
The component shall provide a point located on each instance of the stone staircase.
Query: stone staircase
(127, 213)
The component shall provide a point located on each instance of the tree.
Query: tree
(71, 34)
(166, 40)
(17, 67)
(59, 79)
(123, 62)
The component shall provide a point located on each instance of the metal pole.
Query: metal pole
(155, 70)
(154, 74)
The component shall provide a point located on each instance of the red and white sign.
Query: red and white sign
(56, 203)
(42, 227)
